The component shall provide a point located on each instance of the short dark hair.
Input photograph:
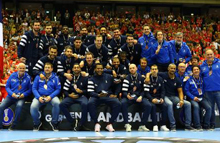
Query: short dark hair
(48, 63)
(98, 64)
(77, 38)
(53, 47)
(195, 57)
(68, 47)
(144, 59)
(154, 65)
(195, 67)
(89, 53)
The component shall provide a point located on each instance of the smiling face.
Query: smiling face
(99, 69)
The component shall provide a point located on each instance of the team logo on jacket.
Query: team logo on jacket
(8, 117)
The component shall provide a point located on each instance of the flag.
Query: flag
(1, 41)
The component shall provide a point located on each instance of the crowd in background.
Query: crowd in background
(200, 32)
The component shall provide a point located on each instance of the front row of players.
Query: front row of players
(157, 90)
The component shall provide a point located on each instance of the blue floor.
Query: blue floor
(28, 134)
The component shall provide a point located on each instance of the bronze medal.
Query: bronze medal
(19, 87)
(200, 91)
(210, 72)
(146, 47)
(45, 86)
(75, 86)
(134, 88)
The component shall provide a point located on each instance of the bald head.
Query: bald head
(21, 69)
(181, 68)
(209, 55)
(132, 69)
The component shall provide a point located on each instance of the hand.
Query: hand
(42, 77)
(135, 41)
(73, 95)
(102, 95)
(114, 73)
(154, 101)
(48, 99)
(186, 78)
(0, 93)
(41, 99)
(68, 76)
(23, 60)
(109, 36)
(113, 96)
(81, 64)
(21, 96)
(108, 67)
(139, 99)
(196, 99)
(75, 56)
(14, 96)
(158, 49)
(129, 96)
(78, 90)
(161, 100)
(181, 103)
(84, 74)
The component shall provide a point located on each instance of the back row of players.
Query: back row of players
(106, 80)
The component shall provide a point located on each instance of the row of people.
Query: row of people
(164, 90)
(156, 50)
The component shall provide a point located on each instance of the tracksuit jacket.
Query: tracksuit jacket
(183, 53)
(12, 85)
(211, 83)
(45, 43)
(113, 46)
(148, 40)
(53, 86)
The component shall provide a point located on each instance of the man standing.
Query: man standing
(101, 90)
(181, 52)
(28, 47)
(99, 51)
(211, 76)
(146, 41)
(63, 39)
(46, 41)
(75, 91)
(133, 50)
(46, 91)
(18, 87)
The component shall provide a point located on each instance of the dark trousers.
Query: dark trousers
(163, 109)
(68, 101)
(146, 107)
(114, 104)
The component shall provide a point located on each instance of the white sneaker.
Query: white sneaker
(110, 128)
(97, 127)
(155, 128)
(128, 127)
(143, 128)
(164, 128)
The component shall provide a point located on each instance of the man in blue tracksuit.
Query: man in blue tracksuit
(211, 76)
(99, 50)
(146, 41)
(161, 53)
(181, 52)
(46, 91)
(143, 68)
(102, 89)
(132, 93)
(18, 87)
(46, 41)
(117, 42)
(194, 89)
(28, 47)
(133, 50)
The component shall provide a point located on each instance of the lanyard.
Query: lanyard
(75, 79)
(197, 83)
(134, 80)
